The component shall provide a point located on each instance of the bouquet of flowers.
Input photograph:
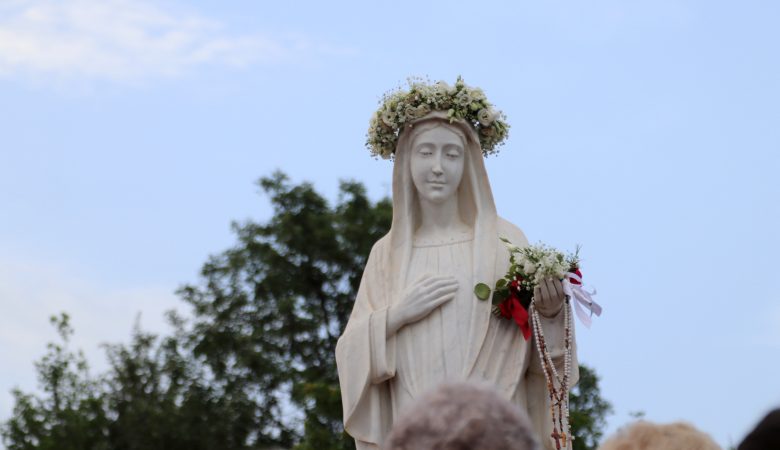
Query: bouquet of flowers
(512, 298)
(529, 266)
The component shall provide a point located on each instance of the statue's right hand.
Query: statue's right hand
(420, 299)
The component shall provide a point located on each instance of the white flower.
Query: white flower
(459, 101)
(463, 99)
(387, 118)
(485, 117)
(442, 87)
(529, 267)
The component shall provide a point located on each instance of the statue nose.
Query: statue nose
(437, 170)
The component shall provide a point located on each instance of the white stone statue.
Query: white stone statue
(416, 321)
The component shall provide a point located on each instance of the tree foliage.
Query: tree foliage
(70, 414)
(253, 366)
(269, 310)
(154, 395)
(588, 410)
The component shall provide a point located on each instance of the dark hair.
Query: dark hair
(765, 435)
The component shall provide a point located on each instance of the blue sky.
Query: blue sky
(132, 132)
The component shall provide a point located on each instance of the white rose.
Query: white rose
(387, 118)
(529, 267)
(485, 117)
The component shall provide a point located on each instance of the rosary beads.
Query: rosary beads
(559, 395)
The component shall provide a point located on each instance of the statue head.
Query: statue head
(438, 160)
(437, 157)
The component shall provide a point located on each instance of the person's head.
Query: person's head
(643, 435)
(765, 435)
(461, 416)
(437, 158)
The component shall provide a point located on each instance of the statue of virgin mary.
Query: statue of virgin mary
(416, 321)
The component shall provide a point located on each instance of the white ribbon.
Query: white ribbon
(583, 299)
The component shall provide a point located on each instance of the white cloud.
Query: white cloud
(127, 40)
(31, 292)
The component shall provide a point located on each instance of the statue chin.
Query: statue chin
(436, 194)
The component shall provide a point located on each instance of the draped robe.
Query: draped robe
(381, 376)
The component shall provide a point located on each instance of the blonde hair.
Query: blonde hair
(462, 416)
(644, 435)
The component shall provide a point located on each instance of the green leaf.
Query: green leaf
(501, 283)
(482, 291)
(500, 295)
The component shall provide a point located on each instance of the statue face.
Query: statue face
(437, 163)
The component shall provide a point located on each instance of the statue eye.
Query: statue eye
(453, 152)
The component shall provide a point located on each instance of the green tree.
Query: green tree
(70, 414)
(155, 395)
(161, 397)
(269, 310)
(588, 410)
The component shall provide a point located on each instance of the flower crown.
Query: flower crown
(399, 108)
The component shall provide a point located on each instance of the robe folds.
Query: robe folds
(460, 341)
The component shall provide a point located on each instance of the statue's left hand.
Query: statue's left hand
(549, 296)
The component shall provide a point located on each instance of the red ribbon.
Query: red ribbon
(511, 308)
(574, 280)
